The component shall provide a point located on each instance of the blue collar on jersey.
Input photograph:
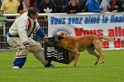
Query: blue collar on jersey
(29, 15)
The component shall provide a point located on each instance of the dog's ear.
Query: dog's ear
(60, 37)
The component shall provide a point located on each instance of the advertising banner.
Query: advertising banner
(88, 23)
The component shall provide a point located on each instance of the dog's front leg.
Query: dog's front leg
(76, 56)
(76, 59)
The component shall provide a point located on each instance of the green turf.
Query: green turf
(111, 71)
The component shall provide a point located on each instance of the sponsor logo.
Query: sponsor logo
(60, 29)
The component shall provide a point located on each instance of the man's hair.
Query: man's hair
(32, 10)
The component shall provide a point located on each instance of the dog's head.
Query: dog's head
(57, 38)
(62, 33)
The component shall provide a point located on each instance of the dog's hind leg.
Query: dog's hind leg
(98, 47)
(91, 50)
(100, 52)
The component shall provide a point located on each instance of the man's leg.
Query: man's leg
(38, 52)
(21, 53)
(20, 58)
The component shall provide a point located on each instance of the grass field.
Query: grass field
(111, 71)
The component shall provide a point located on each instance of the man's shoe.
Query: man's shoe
(15, 67)
(51, 66)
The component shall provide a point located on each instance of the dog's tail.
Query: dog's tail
(108, 38)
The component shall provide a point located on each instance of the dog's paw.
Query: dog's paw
(96, 63)
(102, 62)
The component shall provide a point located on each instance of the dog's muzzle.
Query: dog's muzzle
(52, 41)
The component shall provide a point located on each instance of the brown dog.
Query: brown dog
(76, 44)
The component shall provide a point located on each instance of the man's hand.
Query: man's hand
(114, 11)
(27, 47)
(45, 39)
(102, 12)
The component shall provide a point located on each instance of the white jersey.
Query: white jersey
(23, 27)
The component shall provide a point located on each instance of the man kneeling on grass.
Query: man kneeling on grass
(19, 35)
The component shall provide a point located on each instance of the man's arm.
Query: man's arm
(40, 32)
(22, 32)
